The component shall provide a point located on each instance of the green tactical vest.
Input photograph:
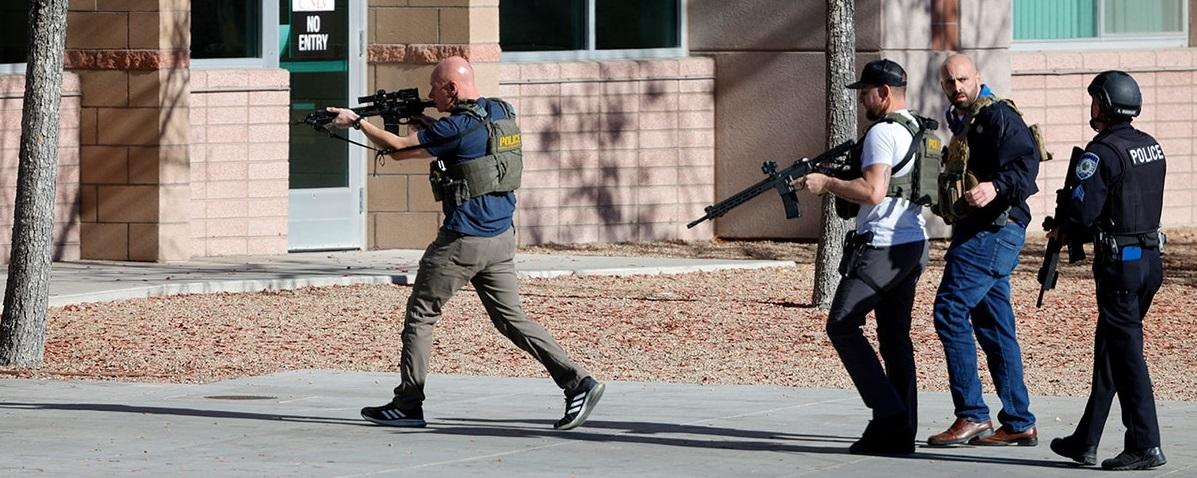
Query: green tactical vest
(955, 178)
(498, 171)
(920, 186)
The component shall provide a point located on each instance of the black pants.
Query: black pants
(1124, 293)
(882, 279)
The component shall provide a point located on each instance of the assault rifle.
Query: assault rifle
(396, 108)
(779, 180)
(1049, 271)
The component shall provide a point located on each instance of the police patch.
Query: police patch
(1087, 166)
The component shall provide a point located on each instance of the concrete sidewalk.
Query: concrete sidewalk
(95, 281)
(306, 423)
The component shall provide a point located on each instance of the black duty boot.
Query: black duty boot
(1136, 460)
(1068, 447)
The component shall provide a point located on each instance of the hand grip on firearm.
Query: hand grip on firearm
(396, 108)
(779, 180)
(1049, 270)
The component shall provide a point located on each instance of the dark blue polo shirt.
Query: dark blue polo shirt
(458, 138)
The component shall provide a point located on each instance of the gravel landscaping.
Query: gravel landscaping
(744, 327)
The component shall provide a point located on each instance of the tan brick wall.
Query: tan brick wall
(614, 151)
(239, 144)
(1049, 88)
(66, 197)
(406, 40)
(134, 172)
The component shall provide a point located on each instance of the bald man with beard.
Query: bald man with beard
(974, 295)
(475, 244)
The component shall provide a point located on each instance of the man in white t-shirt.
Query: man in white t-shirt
(884, 258)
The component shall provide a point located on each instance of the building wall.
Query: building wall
(66, 194)
(614, 151)
(1049, 88)
(770, 96)
(406, 40)
(239, 170)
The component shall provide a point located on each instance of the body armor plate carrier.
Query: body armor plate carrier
(955, 178)
(920, 186)
(498, 171)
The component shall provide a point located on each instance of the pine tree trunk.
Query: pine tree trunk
(23, 323)
(841, 126)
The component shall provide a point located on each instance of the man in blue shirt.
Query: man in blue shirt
(475, 244)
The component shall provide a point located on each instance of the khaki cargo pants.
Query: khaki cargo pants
(487, 263)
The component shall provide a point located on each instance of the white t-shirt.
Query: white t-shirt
(895, 220)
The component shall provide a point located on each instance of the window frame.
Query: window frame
(591, 53)
(269, 45)
(1103, 41)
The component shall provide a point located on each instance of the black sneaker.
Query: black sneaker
(393, 416)
(579, 402)
(1067, 447)
(1136, 460)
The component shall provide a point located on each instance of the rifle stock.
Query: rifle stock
(777, 180)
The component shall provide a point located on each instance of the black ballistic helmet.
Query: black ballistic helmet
(1117, 93)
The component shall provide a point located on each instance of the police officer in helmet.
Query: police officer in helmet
(1117, 199)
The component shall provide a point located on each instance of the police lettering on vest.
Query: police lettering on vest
(1146, 154)
(500, 170)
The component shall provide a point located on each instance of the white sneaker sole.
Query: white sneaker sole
(401, 422)
(588, 404)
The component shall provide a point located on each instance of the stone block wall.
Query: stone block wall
(1049, 88)
(66, 197)
(239, 144)
(407, 39)
(132, 60)
(614, 151)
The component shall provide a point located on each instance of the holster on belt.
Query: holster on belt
(854, 246)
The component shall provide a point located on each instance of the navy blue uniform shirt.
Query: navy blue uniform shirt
(1002, 150)
(459, 138)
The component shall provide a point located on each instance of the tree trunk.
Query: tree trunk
(841, 126)
(23, 323)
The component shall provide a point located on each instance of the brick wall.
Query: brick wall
(614, 151)
(66, 198)
(239, 169)
(1049, 88)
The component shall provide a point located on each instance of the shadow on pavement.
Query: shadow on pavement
(624, 432)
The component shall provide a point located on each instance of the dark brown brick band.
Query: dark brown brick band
(126, 59)
(425, 54)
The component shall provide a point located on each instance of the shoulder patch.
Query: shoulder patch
(1087, 166)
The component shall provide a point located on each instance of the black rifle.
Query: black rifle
(779, 180)
(1049, 272)
(396, 108)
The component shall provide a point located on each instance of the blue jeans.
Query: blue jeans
(974, 298)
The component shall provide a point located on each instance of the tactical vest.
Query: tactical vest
(498, 171)
(920, 185)
(1134, 204)
(955, 178)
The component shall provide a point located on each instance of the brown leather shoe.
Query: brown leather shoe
(1005, 437)
(961, 432)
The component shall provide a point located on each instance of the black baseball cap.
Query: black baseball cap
(880, 72)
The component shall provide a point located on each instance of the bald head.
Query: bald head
(960, 81)
(452, 82)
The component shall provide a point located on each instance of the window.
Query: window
(14, 35)
(531, 30)
(234, 33)
(1042, 24)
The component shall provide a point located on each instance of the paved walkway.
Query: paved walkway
(305, 423)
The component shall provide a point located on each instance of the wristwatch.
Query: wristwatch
(357, 123)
